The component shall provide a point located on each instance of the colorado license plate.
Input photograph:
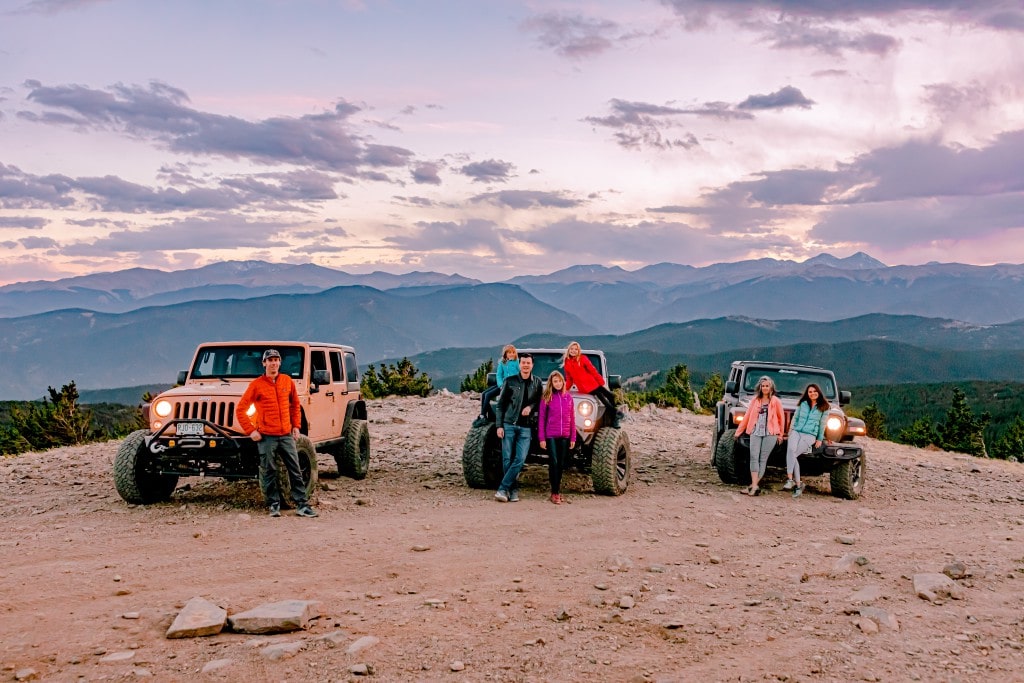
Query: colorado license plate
(189, 428)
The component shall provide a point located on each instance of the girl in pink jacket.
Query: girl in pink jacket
(764, 423)
(556, 429)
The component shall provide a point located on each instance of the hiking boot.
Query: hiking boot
(501, 496)
(798, 490)
(275, 510)
(306, 511)
(481, 421)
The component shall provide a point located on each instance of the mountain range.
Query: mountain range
(140, 326)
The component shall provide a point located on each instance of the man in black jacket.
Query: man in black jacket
(517, 405)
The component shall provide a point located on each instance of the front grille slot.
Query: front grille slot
(220, 413)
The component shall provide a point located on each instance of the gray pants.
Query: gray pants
(760, 448)
(799, 443)
(268, 446)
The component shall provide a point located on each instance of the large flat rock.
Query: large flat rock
(199, 617)
(276, 617)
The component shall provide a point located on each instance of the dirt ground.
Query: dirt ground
(680, 579)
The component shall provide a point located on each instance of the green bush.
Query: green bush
(674, 393)
(400, 379)
(1011, 445)
(478, 380)
(874, 421)
(920, 434)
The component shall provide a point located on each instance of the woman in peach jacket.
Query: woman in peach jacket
(764, 423)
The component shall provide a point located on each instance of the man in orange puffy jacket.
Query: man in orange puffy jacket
(278, 417)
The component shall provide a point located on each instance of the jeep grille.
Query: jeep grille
(220, 413)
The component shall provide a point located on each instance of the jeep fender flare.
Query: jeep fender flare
(355, 410)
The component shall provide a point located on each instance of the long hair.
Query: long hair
(565, 356)
(509, 348)
(549, 389)
(821, 404)
(771, 390)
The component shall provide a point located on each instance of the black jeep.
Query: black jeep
(845, 461)
(601, 450)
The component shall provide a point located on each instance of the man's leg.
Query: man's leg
(286, 445)
(516, 455)
(507, 446)
(268, 471)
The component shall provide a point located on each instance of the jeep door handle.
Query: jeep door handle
(329, 393)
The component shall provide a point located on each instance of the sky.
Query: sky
(495, 138)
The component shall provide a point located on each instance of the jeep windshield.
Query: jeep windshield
(789, 381)
(544, 363)
(243, 362)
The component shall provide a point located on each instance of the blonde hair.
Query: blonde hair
(565, 356)
(548, 389)
(505, 351)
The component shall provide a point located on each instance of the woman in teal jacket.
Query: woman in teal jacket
(806, 429)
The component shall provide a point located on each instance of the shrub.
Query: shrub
(711, 393)
(874, 421)
(1010, 445)
(59, 421)
(400, 379)
(920, 434)
(478, 380)
(675, 393)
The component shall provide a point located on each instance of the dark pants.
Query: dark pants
(606, 397)
(485, 401)
(558, 453)
(285, 445)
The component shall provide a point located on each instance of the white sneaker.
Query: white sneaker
(789, 485)
(501, 496)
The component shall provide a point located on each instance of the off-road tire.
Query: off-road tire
(308, 466)
(847, 478)
(611, 462)
(353, 458)
(134, 476)
(481, 458)
(714, 443)
(725, 457)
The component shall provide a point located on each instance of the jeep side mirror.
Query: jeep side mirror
(182, 376)
(614, 381)
(844, 397)
(321, 377)
(730, 387)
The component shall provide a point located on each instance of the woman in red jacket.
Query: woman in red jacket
(582, 374)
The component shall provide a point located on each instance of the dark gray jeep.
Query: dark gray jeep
(601, 449)
(843, 460)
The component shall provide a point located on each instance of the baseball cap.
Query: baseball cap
(271, 353)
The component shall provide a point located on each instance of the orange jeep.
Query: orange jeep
(193, 431)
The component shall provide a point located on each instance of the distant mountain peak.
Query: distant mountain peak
(858, 261)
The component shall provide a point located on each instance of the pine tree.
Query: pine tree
(874, 420)
(1010, 445)
(920, 433)
(712, 392)
(962, 432)
(478, 380)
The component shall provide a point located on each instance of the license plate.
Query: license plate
(189, 428)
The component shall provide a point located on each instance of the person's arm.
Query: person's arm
(294, 410)
(822, 422)
(589, 368)
(571, 419)
(240, 411)
(542, 416)
(502, 405)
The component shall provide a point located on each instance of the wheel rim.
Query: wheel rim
(621, 464)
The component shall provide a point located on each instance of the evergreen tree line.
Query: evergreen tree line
(59, 420)
(960, 430)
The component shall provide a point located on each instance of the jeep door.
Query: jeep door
(320, 403)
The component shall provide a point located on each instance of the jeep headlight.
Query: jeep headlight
(163, 408)
(834, 424)
(585, 408)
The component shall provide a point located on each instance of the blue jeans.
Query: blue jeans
(268, 446)
(519, 438)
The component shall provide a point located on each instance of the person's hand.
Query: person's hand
(295, 432)
(817, 444)
(572, 444)
(501, 432)
(526, 411)
(255, 436)
(544, 444)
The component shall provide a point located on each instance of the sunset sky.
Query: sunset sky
(495, 138)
